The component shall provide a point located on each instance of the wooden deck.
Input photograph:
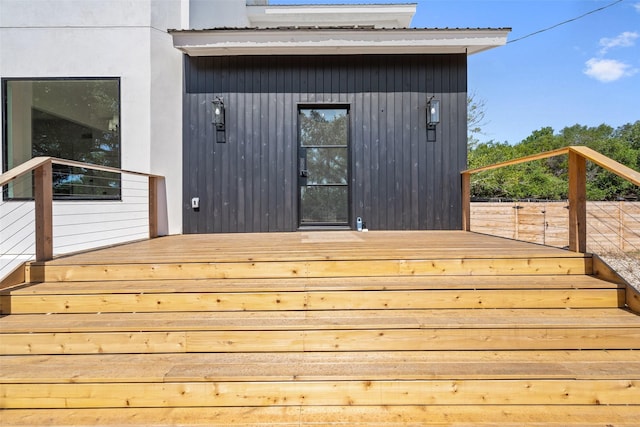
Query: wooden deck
(312, 254)
(308, 246)
(319, 328)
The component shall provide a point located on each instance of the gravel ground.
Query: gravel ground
(626, 266)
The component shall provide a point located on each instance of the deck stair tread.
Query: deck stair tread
(312, 284)
(357, 330)
(309, 366)
(325, 320)
(325, 393)
(316, 301)
(357, 416)
(401, 267)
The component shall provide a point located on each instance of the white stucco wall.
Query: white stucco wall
(207, 14)
(108, 38)
(166, 86)
(113, 38)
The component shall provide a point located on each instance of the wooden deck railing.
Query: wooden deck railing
(578, 156)
(43, 196)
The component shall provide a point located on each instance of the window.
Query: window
(74, 119)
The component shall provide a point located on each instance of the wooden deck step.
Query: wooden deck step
(323, 393)
(321, 320)
(119, 302)
(312, 284)
(576, 265)
(347, 340)
(358, 330)
(318, 329)
(340, 415)
(322, 366)
(362, 379)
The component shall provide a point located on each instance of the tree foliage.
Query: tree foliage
(547, 178)
(476, 119)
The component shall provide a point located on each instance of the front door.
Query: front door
(323, 166)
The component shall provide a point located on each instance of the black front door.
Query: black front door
(323, 166)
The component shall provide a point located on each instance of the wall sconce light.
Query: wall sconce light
(218, 113)
(433, 112)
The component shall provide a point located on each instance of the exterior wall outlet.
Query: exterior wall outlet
(195, 202)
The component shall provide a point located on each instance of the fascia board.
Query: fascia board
(323, 42)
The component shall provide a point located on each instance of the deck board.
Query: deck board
(314, 393)
(318, 300)
(585, 338)
(576, 265)
(312, 284)
(322, 320)
(342, 415)
(343, 245)
(321, 366)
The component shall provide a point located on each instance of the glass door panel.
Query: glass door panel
(323, 166)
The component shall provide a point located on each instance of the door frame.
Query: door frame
(324, 226)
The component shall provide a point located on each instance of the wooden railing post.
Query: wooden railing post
(42, 170)
(578, 156)
(153, 207)
(43, 195)
(466, 201)
(577, 202)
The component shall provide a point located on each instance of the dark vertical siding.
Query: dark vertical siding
(400, 178)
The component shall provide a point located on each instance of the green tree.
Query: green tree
(476, 118)
(547, 178)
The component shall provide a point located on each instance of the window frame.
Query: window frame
(4, 82)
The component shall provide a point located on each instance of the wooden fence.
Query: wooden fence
(611, 226)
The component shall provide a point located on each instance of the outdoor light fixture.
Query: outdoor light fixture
(433, 112)
(218, 113)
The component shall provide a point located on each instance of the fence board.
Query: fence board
(612, 226)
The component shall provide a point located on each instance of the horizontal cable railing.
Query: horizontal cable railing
(613, 228)
(578, 157)
(614, 234)
(52, 206)
(609, 229)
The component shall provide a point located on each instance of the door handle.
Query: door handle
(304, 173)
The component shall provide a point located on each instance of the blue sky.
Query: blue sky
(584, 72)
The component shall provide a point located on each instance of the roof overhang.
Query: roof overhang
(332, 41)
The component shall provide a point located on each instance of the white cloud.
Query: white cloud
(637, 6)
(626, 39)
(608, 70)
